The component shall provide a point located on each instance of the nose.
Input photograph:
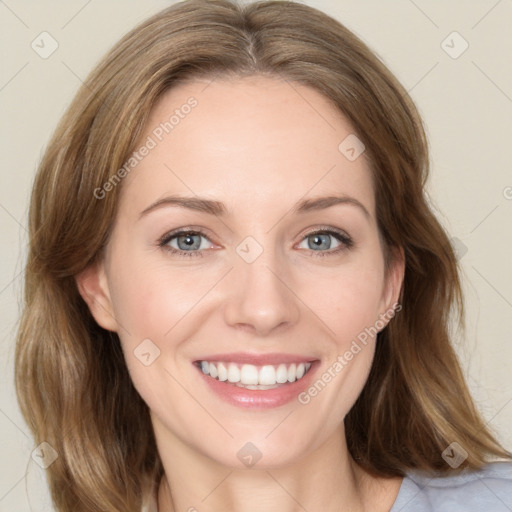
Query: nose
(260, 296)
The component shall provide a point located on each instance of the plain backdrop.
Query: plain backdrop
(464, 95)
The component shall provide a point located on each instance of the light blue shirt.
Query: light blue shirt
(486, 490)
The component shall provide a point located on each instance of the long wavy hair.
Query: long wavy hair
(72, 382)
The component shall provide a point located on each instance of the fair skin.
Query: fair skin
(258, 146)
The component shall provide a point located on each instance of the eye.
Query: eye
(187, 243)
(319, 240)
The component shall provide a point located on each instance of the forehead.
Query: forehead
(258, 138)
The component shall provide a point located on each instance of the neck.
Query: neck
(326, 479)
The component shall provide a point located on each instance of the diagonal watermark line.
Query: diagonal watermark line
(86, 85)
(420, 489)
(289, 82)
(310, 189)
(3, 2)
(26, 245)
(421, 79)
(285, 490)
(76, 75)
(492, 211)
(482, 481)
(217, 486)
(165, 165)
(492, 81)
(210, 82)
(14, 76)
(25, 229)
(485, 15)
(13, 487)
(11, 281)
(93, 299)
(280, 423)
(199, 403)
(498, 411)
(18, 427)
(204, 295)
(13, 217)
(300, 299)
(493, 287)
(424, 14)
(75, 15)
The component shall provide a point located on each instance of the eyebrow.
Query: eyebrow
(219, 209)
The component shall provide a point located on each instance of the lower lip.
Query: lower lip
(259, 398)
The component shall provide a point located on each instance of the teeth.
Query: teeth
(255, 377)
(256, 387)
(249, 375)
(222, 370)
(282, 374)
(267, 376)
(233, 373)
(292, 372)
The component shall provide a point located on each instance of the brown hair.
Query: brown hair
(72, 382)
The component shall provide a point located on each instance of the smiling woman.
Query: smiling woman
(256, 313)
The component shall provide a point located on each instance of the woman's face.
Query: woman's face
(272, 282)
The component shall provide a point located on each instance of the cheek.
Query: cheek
(156, 304)
(349, 301)
(348, 359)
(351, 308)
(149, 300)
(145, 316)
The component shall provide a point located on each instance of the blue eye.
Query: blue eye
(189, 243)
(322, 240)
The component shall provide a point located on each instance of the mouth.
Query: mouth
(254, 377)
(257, 382)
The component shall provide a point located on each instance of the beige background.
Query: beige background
(466, 103)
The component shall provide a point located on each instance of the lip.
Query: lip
(257, 399)
(257, 359)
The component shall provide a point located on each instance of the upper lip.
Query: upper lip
(257, 359)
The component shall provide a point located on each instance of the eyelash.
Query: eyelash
(345, 240)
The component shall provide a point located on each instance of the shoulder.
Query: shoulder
(487, 489)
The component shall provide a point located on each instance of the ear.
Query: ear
(93, 287)
(393, 285)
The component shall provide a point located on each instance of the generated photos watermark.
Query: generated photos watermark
(151, 142)
(343, 360)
